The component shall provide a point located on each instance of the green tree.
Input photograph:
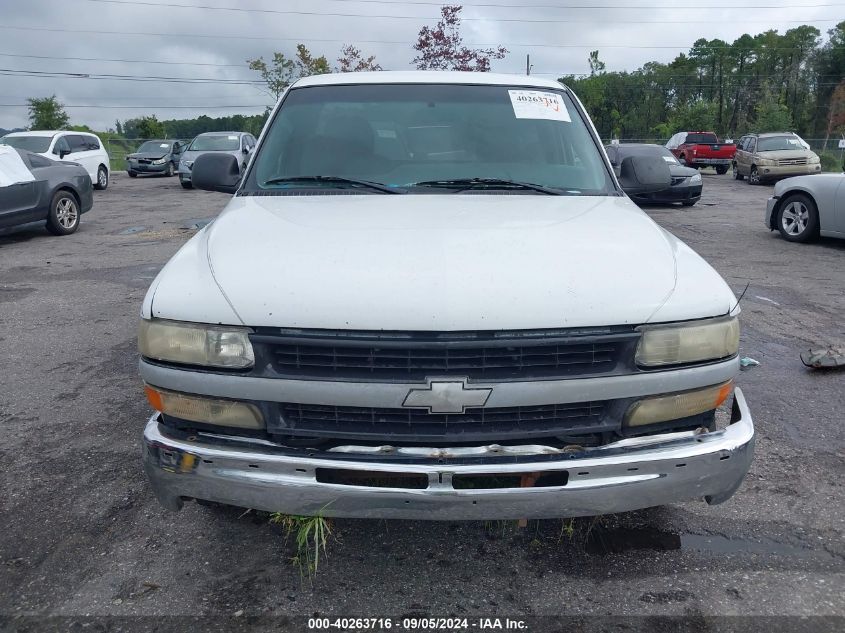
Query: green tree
(144, 127)
(596, 65)
(282, 71)
(277, 75)
(47, 114)
(307, 64)
(772, 116)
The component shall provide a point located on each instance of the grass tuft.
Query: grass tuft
(311, 534)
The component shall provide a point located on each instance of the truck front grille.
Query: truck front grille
(400, 357)
(395, 425)
(792, 161)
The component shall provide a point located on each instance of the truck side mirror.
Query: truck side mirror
(216, 171)
(644, 174)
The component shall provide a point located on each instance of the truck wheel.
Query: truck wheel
(753, 176)
(721, 169)
(737, 175)
(63, 217)
(798, 218)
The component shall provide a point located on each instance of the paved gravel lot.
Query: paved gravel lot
(81, 534)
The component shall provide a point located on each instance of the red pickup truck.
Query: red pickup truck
(702, 149)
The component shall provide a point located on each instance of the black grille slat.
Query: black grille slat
(402, 361)
(401, 424)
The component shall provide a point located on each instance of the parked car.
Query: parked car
(82, 148)
(431, 298)
(155, 157)
(702, 149)
(804, 207)
(686, 181)
(237, 144)
(772, 156)
(37, 190)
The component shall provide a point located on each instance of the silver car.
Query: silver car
(238, 144)
(805, 207)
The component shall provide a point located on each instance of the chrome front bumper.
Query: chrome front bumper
(627, 475)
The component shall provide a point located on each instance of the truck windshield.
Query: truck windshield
(215, 143)
(37, 144)
(430, 138)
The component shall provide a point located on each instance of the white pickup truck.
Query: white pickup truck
(430, 298)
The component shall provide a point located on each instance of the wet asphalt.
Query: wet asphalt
(82, 535)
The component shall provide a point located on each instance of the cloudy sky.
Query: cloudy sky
(143, 39)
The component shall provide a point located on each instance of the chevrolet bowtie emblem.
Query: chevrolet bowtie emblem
(447, 396)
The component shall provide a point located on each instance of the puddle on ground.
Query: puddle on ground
(132, 229)
(619, 540)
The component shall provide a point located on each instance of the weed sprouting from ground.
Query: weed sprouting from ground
(567, 529)
(311, 534)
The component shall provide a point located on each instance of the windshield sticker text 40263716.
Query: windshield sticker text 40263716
(536, 104)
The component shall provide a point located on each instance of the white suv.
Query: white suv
(71, 147)
(431, 298)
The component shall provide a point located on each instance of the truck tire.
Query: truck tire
(721, 169)
(737, 175)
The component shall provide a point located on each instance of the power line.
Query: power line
(414, 17)
(125, 61)
(358, 41)
(143, 107)
(146, 78)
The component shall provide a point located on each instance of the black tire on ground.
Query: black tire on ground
(753, 176)
(798, 218)
(186, 184)
(737, 175)
(102, 178)
(132, 174)
(63, 217)
(721, 169)
(689, 203)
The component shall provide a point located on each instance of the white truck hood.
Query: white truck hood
(436, 262)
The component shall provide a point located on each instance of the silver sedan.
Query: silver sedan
(805, 207)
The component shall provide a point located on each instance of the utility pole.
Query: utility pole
(527, 64)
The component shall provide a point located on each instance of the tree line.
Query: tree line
(765, 82)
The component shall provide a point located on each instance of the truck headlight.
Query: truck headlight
(677, 405)
(767, 162)
(195, 344)
(690, 342)
(205, 409)
(813, 159)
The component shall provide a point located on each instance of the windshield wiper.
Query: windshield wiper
(463, 184)
(376, 186)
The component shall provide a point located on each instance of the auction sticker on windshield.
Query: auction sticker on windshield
(535, 104)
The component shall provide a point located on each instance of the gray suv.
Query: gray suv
(156, 157)
(238, 144)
